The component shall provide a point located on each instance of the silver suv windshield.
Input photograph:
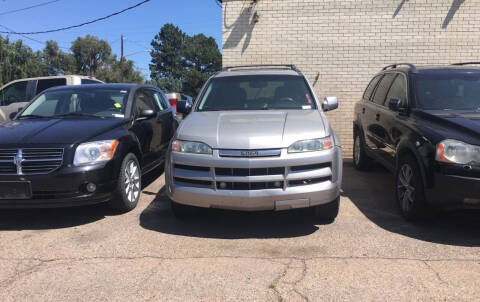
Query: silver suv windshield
(96, 102)
(256, 92)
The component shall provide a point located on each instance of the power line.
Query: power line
(32, 39)
(218, 3)
(75, 26)
(28, 7)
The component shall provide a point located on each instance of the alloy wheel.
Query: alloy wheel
(405, 187)
(132, 181)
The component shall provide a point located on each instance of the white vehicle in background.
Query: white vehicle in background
(18, 93)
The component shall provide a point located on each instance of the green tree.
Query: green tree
(90, 53)
(166, 54)
(120, 72)
(18, 61)
(56, 61)
(168, 84)
(189, 59)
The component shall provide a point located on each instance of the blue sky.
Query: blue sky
(139, 26)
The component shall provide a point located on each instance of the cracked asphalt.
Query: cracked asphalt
(368, 254)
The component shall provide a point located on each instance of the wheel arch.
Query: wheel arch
(405, 148)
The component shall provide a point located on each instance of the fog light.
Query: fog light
(223, 185)
(277, 184)
(91, 187)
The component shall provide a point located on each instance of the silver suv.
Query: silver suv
(256, 139)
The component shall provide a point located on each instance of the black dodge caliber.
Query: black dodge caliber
(423, 123)
(76, 145)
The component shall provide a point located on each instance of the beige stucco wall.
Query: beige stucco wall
(346, 42)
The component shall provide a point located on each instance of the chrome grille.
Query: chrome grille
(252, 178)
(30, 160)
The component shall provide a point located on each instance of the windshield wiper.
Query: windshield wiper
(31, 116)
(75, 114)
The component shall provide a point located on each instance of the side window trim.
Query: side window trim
(387, 90)
(379, 77)
(405, 81)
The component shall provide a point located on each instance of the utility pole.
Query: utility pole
(121, 50)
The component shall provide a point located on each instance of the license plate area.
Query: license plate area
(15, 190)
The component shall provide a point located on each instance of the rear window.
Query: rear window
(49, 83)
(370, 88)
(257, 92)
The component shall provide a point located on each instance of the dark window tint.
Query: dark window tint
(49, 83)
(14, 93)
(145, 99)
(87, 81)
(452, 91)
(382, 89)
(370, 88)
(398, 90)
(159, 100)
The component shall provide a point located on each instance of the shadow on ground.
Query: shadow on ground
(212, 223)
(58, 218)
(372, 192)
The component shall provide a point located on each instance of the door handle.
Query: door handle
(377, 116)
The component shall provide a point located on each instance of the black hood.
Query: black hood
(61, 131)
(456, 124)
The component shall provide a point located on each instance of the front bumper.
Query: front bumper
(65, 187)
(319, 183)
(454, 191)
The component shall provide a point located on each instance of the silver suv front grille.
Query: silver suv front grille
(30, 161)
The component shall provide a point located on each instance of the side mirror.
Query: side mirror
(395, 104)
(146, 114)
(184, 107)
(14, 114)
(330, 103)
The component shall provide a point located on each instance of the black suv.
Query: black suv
(75, 145)
(423, 123)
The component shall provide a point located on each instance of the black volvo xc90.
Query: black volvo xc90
(423, 123)
(76, 145)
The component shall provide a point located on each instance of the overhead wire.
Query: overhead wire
(78, 25)
(28, 7)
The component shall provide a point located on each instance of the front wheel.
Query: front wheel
(327, 212)
(409, 189)
(127, 192)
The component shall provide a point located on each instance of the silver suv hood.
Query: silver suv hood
(253, 129)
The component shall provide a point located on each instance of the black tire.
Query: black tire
(123, 201)
(327, 212)
(361, 161)
(181, 211)
(409, 189)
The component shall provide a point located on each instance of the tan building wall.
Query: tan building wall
(345, 42)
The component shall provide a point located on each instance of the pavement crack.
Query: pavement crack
(436, 273)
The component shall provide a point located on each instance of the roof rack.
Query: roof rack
(412, 67)
(466, 63)
(275, 66)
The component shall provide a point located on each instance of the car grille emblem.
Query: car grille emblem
(17, 160)
(249, 153)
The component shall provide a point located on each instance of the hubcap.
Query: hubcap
(356, 151)
(405, 187)
(132, 181)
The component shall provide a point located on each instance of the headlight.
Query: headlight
(310, 145)
(191, 147)
(452, 151)
(95, 152)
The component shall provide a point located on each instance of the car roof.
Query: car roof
(248, 72)
(436, 69)
(99, 86)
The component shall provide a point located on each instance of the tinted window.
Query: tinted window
(14, 93)
(97, 102)
(382, 89)
(257, 92)
(370, 88)
(87, 81)
(145, 99)
(454, 91)
(398, 90)
(49, 83)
